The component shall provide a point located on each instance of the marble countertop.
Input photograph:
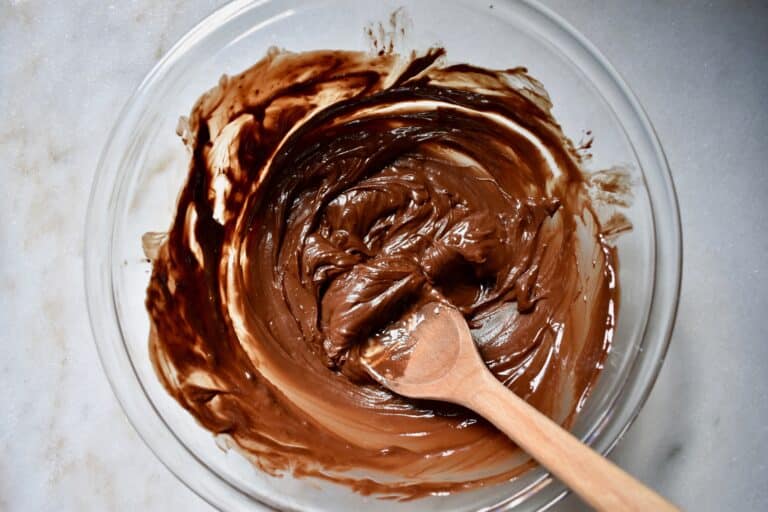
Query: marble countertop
(700, 70)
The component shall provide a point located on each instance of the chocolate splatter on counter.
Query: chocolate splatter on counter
(329, 192)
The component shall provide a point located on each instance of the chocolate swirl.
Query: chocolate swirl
(328, 193)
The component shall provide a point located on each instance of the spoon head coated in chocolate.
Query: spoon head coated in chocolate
(424, 355)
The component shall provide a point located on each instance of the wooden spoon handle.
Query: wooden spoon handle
(594, 478)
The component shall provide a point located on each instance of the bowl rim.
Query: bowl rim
(116, 363)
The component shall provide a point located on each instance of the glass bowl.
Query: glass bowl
(144, 164)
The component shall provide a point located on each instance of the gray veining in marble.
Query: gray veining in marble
(700, 70)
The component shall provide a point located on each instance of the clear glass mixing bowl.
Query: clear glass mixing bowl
(144, 165)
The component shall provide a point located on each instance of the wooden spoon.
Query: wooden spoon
(430, 354)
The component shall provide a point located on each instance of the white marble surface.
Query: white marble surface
(699, 68)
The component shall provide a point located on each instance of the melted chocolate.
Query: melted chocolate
(328, 193)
